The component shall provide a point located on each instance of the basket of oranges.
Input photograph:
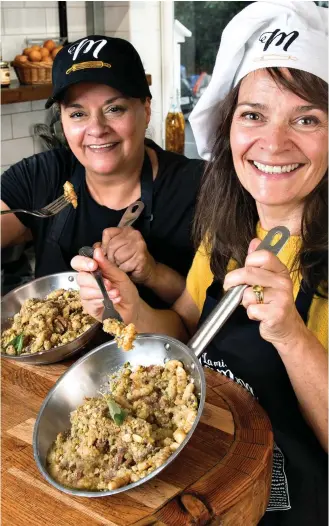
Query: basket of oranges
(35, 64)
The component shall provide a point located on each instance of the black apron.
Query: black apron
(299, 494)
(51, 260)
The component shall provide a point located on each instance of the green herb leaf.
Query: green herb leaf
(12, 342)
(17, 343)
(117, 413)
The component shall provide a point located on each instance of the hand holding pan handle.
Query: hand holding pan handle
(232, 299)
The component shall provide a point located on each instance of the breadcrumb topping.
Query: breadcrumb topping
(70, 194)
(123, 334)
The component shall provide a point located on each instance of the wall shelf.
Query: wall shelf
(23, 93)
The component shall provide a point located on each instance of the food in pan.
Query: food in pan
(123, 334)
(118, 438)
(43, 324)
(70, 194)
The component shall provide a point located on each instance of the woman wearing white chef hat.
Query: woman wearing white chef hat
(263, 125)
(264, 35)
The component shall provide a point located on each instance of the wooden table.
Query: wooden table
(222, 477)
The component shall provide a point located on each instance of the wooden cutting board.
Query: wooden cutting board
(222, 477)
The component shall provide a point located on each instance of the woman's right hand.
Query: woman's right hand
(120, 288)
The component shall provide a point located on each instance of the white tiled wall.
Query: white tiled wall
(17, 121)
(76, 20)
(17, 148)
(19, 21)
(137, 21)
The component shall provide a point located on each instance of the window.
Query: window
(205, 21)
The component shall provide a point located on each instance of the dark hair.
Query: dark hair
(226, 214)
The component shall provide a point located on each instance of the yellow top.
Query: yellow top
(200, 278)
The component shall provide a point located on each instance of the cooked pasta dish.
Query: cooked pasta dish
(118, 438)
(45, 323)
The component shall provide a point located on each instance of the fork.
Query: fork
(109, 310)
(48, 211)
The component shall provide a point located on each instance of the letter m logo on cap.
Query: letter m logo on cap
(85, 45)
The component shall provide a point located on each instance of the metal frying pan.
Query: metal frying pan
(88, 374)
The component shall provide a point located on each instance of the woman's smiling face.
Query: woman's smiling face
(104, 129)
(279, 141)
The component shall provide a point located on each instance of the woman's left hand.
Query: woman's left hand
(126, 248)
(280, 322)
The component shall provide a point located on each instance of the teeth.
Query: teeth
(100, 146)
(276, 169)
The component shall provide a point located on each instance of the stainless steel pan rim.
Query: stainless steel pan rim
(168, 341)
(67, 274)
(39, 288)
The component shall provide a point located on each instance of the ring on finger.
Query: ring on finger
(259, 293)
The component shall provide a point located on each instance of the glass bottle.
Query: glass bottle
(175, 127)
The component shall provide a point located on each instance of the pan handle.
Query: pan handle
(232, 299)
(131, 214)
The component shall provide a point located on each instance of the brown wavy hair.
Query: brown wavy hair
(226, 214)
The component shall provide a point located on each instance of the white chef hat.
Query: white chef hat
(264, 34)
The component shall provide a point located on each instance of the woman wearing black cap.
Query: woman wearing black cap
(100, 87)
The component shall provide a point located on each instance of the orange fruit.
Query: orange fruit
(36, 48)
(21, 59)
(44, 52)
(27, 51)
(49, 44)
(55, 51)
(35, 56)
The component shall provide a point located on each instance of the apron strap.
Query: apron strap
(147, 195)
(304, 300)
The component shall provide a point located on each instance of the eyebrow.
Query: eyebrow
(108, 101)
(307, 107)
(255, 105)
(258, 106)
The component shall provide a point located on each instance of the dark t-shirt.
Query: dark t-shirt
(36, 181)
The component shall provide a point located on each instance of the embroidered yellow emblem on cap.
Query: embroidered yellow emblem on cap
(88, 65)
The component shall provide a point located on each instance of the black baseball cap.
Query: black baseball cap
(99, 59)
